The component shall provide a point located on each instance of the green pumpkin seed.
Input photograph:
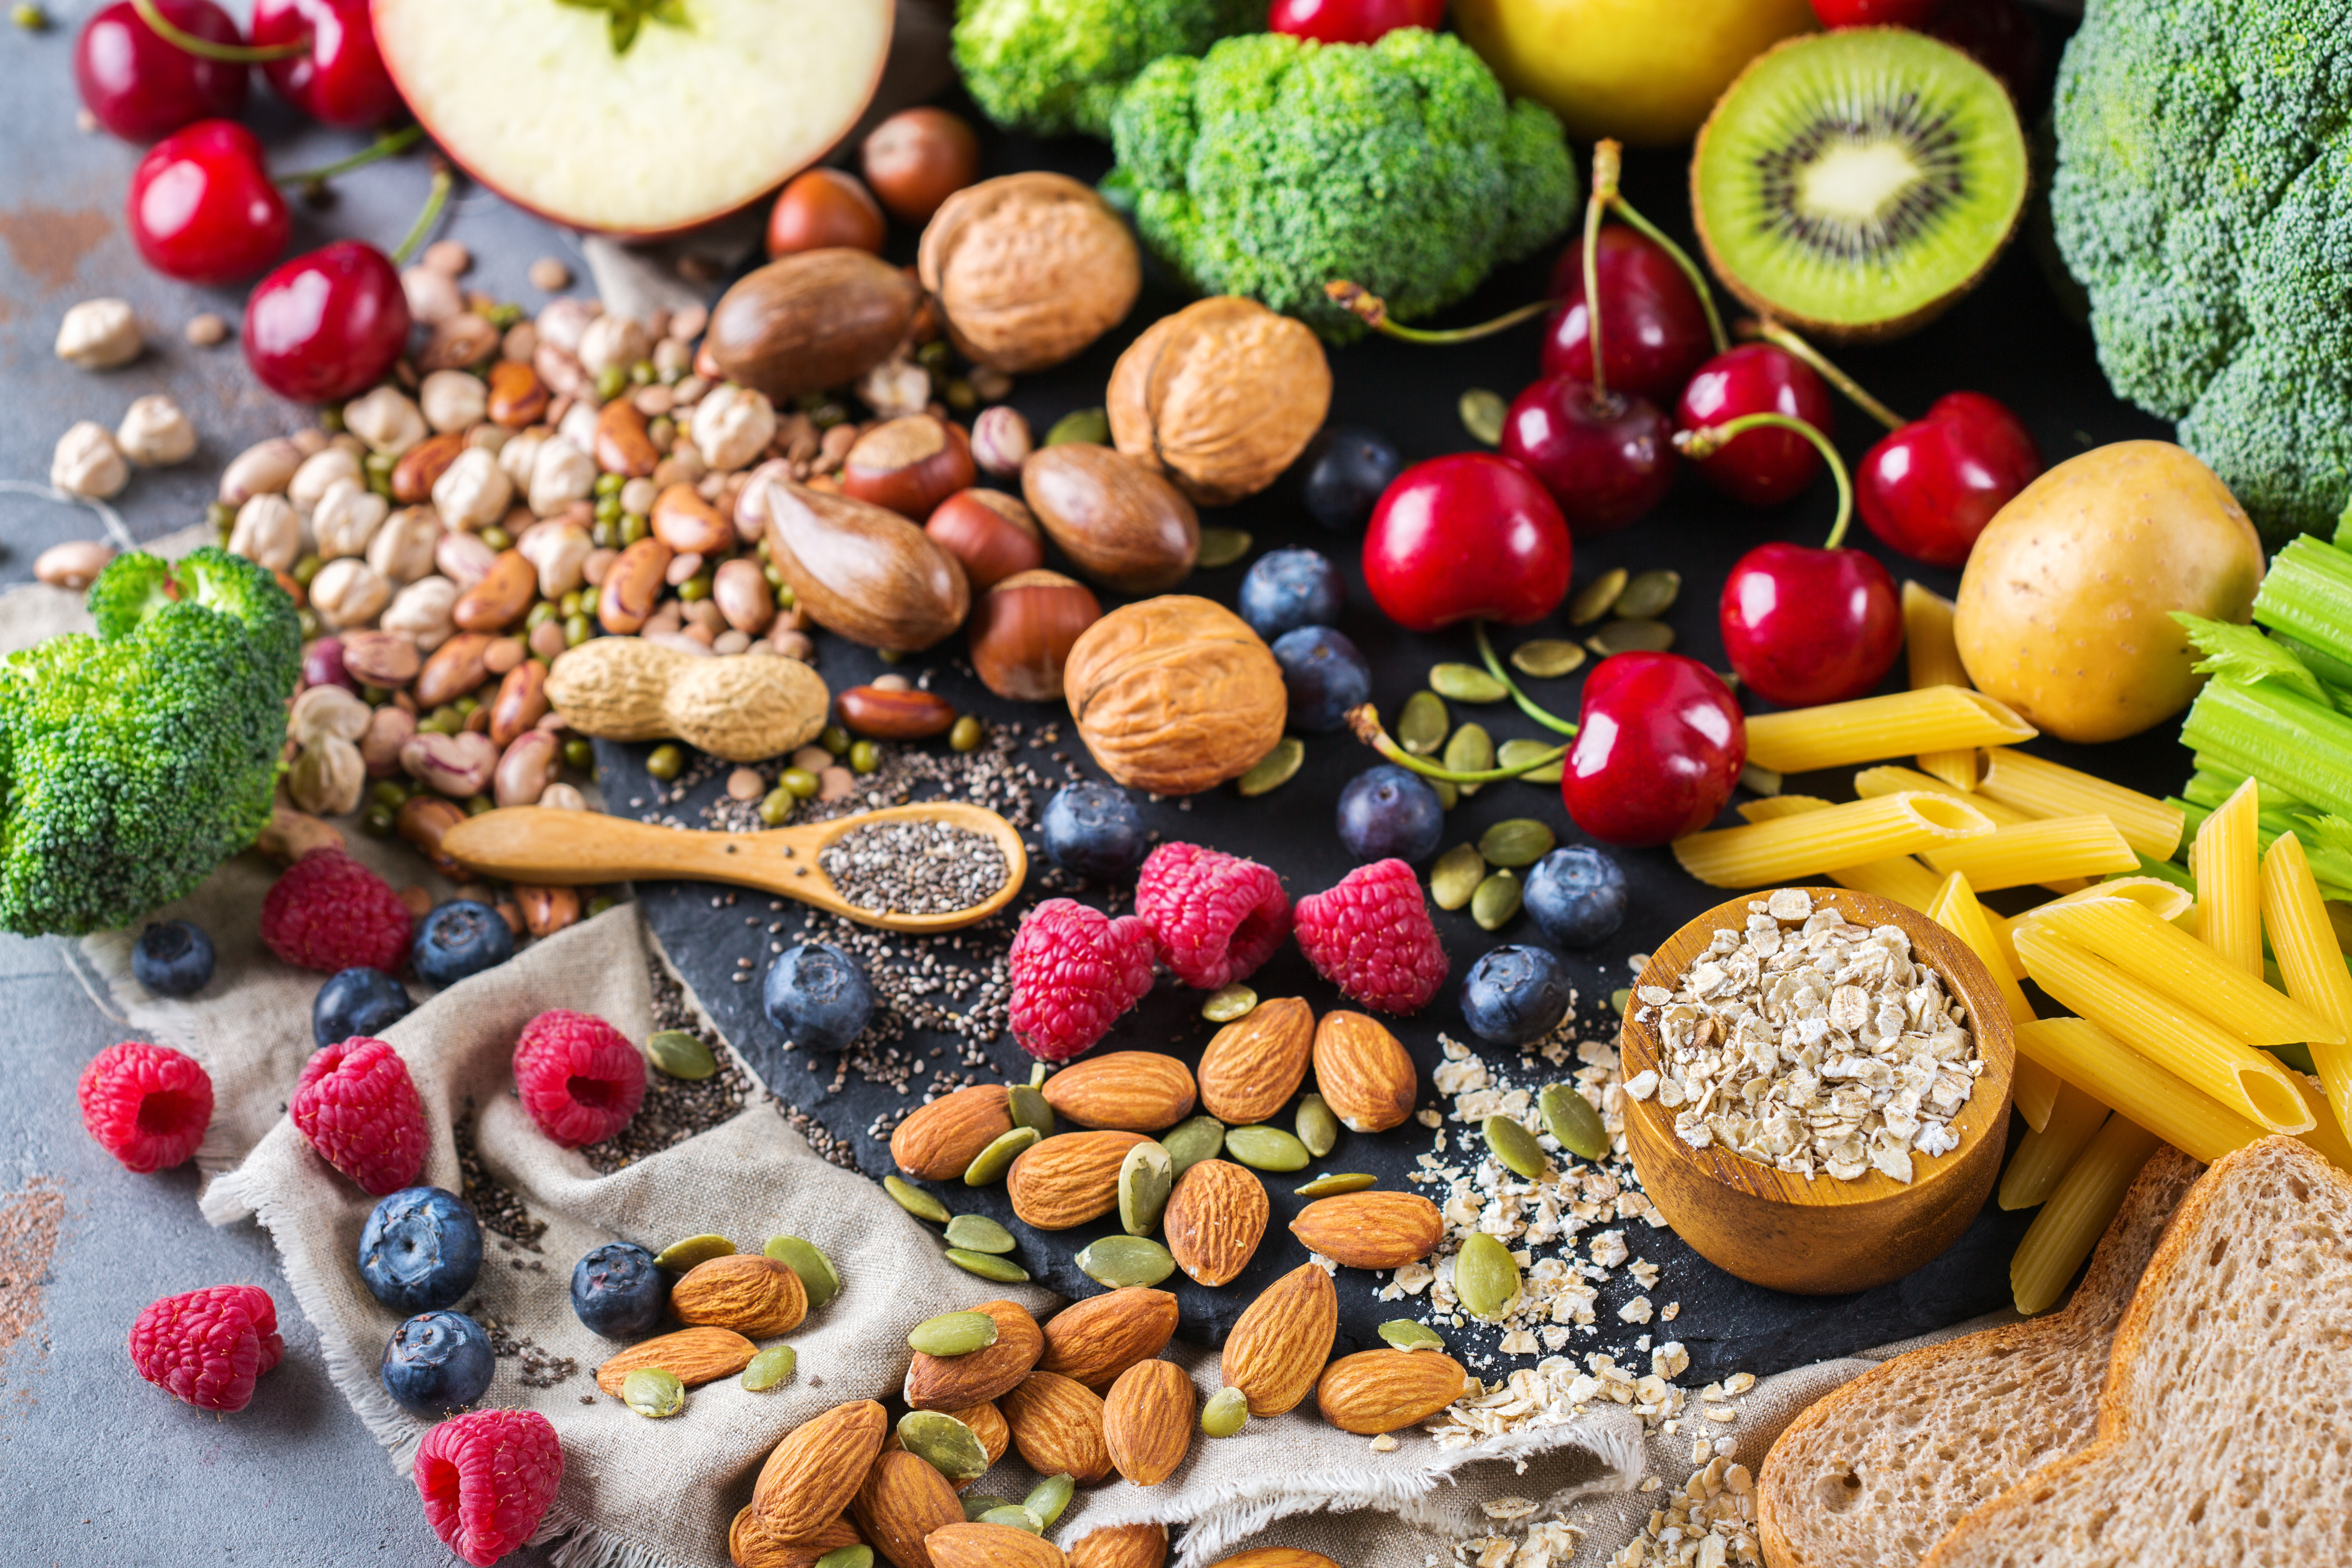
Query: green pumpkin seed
(1449, 793)
(977, 1508)
(1319, 1129)
(1619, 998)
(1515, 1146)
(818, 1276)
(1482, 414)
(1518, 754)
(1570, 1118)
(1495, 901)
(1593, 600)
(1456, 875)
(1340, 1181)
(1632, 636)
(1522, 841)
(978, 1233)
(1225, 1413)
(1014, 1516)
(680, 1054)
(770, 1367)
(1038, 1073)
(1265, 1149)
(988, 1166)
(1090, 425)
(1145, 1177)
(1485, 1278)
(1470, 751)
(1547, 659)
(1762, 781)
(1003, 1270)
(1050, 1497)
(1192, 1142)
(1231, 1002)
(1466, 683)
(1221, 547)
(680, 1255)
(1649, 595)
(946, 1443)
(914, 1200)
(1420, 728)
(1404, 1334)
(653, 1393)
(1119, 1261)
(856, 1555)
(952, 1334)
(1028, 1106)
(1275, 769)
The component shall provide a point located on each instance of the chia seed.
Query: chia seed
(674, 1108)
(914, 867)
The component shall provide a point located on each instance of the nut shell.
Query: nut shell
(1214, 1220)
(1278, 1349)
(1125, 526)
(1058, 1426)
(1094, 1340)
(755, 1296)
(950, 1385)
(862, 571)
(1383, 1391)
(811, 321)
(993, 534)
(744, 710)
(1136, 1091)
(1148, 1421)
(1174, 695)
(938, 1141)
(1068, 1178)
(1022, 630)
(1253, 1064)
(1028, 269)
(1221, 397)
(1370, 1230)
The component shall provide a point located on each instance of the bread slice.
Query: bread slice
(2227, 1416)
(1874, 1473)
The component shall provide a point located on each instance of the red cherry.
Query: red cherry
(1352, 21)
(1467, 537)
(1929, 488)
(1654, 329)
(1607, 457)
(1659, 745)
(327, 324)
(342, 81)
(1762, 467)
(1803, 627)
(1875, 13)
(202, 208)
(140, 87)
(1999, 36)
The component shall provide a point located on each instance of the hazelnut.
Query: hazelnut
(862, 571)
(813, 319)
(1000, 440)
(1028, 269)
(88, 463)
(917, 159)
(1221, 397)
(99, 334)
(154, 432)
(909, 464)
(993, 534)
(1174, 695)
(821, 208)
(1125, 526)
(1022, 630)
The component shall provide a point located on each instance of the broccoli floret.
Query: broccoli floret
(2203, 199)
(134, 762)
(1052, 67)
(1271, 167)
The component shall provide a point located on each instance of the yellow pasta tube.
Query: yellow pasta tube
(2116, 1075)
(1872, 783)
(2039, 787)
(2078, 1213)
(2034, 1090)
(2239, 1078)
(2031, 852)
(2164, 958)
(2165, 901)
(2311, 963)
(2326, 1137)
(1932, 655)
(1872, 729)
(1899, 878)
(1773, 807)
(2032, 1086)
(1817, 841)
(2044, 1155)
(2224, 860)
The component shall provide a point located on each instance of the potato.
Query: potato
(2065, 604)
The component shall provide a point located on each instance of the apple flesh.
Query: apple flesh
(691, 123)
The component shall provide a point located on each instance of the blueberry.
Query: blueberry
(1576, 895)
(1324, 676)
(1386, 812)
(437, 1362)
(818, 996)
(172, 958)
(421, 1250)
(460, 938)
(1291, 588)
(1094, 831)
(617, 1291)
(1515, 994)
(1343, 473)
(357, 1002)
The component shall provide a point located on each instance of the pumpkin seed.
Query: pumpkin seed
(1466, 683)
(1763, 780)
(1275, 769)
(978, 1233)
(1027, 1104)
(1470, 751)
(1088, 425)
(1038, 1073)
(990, 1164)
(653, 1393)
(1449, 793)
(1222, 547)
(1341, 1182)
(1646, 597)
(1050, 1497)
(1145, 1177)
(1495, 901)
(680, 1255)
(1456, 875)
(1485, 1278)
(770, 1367)
(855, 1555)
(1014, 1516)
(1319, 1129)
(1521, 841)
(1420, 728)
(1121, 1260)
(1190, 1142)
(1003, 1270)
(818, 1276)
(1404, 1334)
(1482, 414)
(1518, 754)
(1231, 1002)
(1572, 1122)
(1515, 1146)
(946, 1443)
(680, 1054)
(976, 1508)
(1619, 998)
(1547, 659)
(952, 1334)
(1595, 599)
(914, 1200)
(1265, 1149)
(1225, 1413)
(1632, 636)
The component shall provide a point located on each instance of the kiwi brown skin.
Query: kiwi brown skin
(1831, 332)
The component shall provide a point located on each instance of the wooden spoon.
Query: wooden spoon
(534, 843)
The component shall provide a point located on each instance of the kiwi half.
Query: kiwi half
(1855, 184)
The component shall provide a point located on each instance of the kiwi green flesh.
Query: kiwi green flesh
(1858, 181)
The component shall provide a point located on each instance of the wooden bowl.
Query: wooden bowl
(1823, 1236)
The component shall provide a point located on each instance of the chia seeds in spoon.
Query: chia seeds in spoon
(914, 867)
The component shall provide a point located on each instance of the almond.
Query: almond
(1278, 1349)
(1067, 1180)
(1215, 1218)
(903, 1500)
(1274, 1557)
(745, 1291)
(1092, 1341)
(987, 1424)
(1252, 1065)
(992, 1546)
(1370, 1230)
(1123, 1546)
(694, 1356)
(750, 1546)
(1380, 1390)
(1148, 1421)
(933, 1383)
(939, 1140)
(1139, 1091)
(811, 1476)
(1058, 1426)
(1363, 1072)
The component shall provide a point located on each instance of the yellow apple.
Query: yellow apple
(1644, 71)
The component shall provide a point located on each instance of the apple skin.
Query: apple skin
(1644, 71)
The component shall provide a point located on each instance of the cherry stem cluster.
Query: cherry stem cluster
(1706, 442)
(206, 48)
(437, 198)
(1365, 721)
(390, 144)
(1773, 332)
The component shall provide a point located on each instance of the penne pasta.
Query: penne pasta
(2166, 959)
(2034, 1090)
(2224, 859)
(2032, 1086)
(1899, 878)
(1816, 841)
(2044, 1155)
(2078, 1213)
(2039, 787)
(1933, 657)
(2113, 1074)
(2312, 965)
(1872, 729)
(1772, 807)
(2326, 1138)
(2166, 900)
(2033, 852)
(1872, 783)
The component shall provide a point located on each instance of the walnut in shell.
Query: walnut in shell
(1174, 695)
(1221, 397)
(1028, 269)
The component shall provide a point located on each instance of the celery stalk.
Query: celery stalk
(2272, 733)
(2307, 598)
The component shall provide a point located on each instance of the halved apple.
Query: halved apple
(710, 104)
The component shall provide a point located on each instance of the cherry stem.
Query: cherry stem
(385, 146)
(1365, 721)
(206, 48)
(1526, 704)
(1682, 258)
(1605, 154)
(1705, 443)
(434, 203)
(1782, 337)
(1374, 311)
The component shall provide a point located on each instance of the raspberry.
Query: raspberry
(581, 1078)
(147, 1105)
(487, 1478)
(1215, 917)
(329, 912)
(1371, 937)
(207, 1346)
(1074, 969)
(356, 1106)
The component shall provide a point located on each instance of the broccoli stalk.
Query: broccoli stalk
(1052, 67)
